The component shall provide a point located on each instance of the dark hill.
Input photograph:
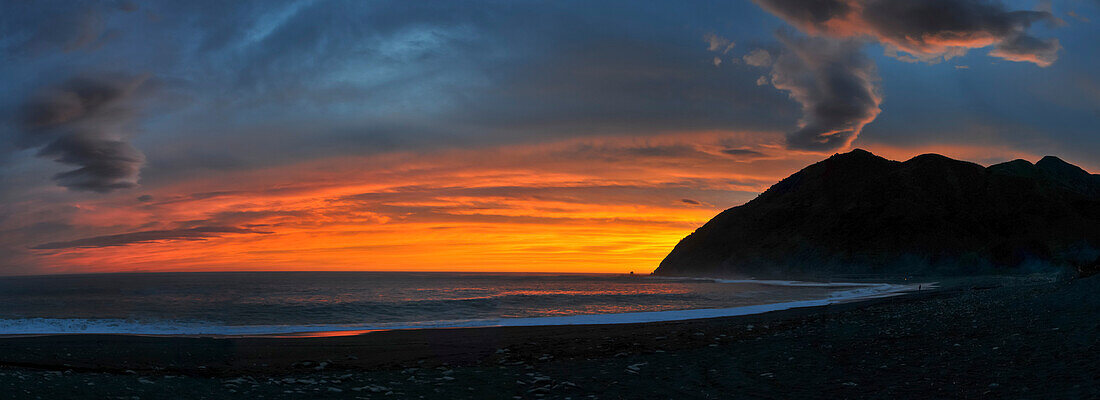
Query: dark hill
(858, 213)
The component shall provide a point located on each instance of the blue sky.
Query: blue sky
(107, 102)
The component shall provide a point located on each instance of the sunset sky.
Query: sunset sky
(490, 136)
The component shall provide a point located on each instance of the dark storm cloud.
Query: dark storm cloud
(928, 30)
(196, 233)
(81, 122)
(836, 86)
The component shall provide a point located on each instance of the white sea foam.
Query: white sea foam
(50, 326)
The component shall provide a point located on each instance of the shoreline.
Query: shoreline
(280, 353)
(932, 344)
(862, 291)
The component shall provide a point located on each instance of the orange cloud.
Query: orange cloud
(609, 204)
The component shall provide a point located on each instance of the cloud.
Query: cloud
(67, 32)
(128, 6)
(758, 58)
(690, 201)
(1042, 52)
(717, 43)
(81, 122)
(928, 31)
(1077, 16)
(836, 86)
(197, 233)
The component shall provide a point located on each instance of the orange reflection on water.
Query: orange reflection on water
(633, 290)
(323, 334)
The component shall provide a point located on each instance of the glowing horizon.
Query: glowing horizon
(529, 211)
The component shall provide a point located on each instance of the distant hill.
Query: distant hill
(858, 213)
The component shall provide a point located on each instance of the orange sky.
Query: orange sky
(612, 204)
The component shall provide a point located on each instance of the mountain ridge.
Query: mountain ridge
(858, 213)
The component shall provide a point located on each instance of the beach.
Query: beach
(1011, 339)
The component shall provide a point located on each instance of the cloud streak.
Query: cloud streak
(82, 122)
(123, 239)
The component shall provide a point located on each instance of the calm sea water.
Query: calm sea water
(284, 302)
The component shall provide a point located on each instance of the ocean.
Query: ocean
(303, 303)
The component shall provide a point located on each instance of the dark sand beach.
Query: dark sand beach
(1018, 338)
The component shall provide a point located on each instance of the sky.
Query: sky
(557, 136)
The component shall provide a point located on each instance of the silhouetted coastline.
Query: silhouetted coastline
(858, 213)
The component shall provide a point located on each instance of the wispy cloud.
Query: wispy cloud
(197, 233)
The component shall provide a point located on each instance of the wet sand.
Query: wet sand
(1025, 339)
